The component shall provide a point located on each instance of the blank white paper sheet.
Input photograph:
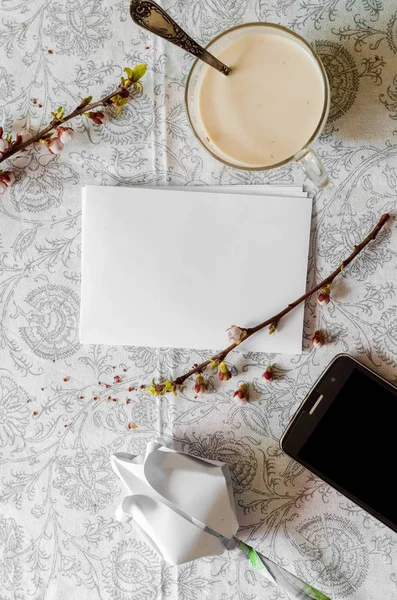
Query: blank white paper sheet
(177, 267)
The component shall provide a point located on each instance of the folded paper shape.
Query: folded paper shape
(182, 505)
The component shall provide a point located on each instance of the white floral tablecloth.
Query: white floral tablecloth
(58, 536)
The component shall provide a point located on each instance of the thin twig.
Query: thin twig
(276, 318)
(82, 108)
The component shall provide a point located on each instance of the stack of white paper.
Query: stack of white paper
(176, 267)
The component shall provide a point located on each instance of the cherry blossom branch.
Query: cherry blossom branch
(118, 98)
(218, 359)
(54, 123)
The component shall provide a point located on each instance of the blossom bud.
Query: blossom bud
(54, 145)
(324, 296)
(223, 372)
(65, 134)
(4, 145)
(97, 116)
(268, 375)
(318, 338)
(235, 334)
(200, 384)
(22, 136)
(7, 178)
(242, 393)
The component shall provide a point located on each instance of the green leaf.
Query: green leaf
(252, 555)
(58, 114)
(8, 137)
(119, 102)
(313, 593)
(169, 386)
(85, 101)
(128, 72)
(159, 389)
(137, 72)
(255, 560)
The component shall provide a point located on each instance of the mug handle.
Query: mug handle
(313, 167)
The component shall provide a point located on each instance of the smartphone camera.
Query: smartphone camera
(333, 379)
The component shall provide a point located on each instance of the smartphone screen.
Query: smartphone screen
(353, 441)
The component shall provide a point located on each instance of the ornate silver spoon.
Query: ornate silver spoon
(151, 16)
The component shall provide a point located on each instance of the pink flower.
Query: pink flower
(4, 145)
(118, 378)
(235, 334)
(65, 134)
(54, 145)
(318, 338)
(200, 384)
(268, 374)
(3, 188)
(242, 393)
(7, 178)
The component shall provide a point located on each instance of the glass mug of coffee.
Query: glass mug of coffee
(269, 109)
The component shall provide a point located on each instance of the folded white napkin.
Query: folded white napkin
(174, 499)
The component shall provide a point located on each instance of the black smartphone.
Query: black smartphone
(345, 432)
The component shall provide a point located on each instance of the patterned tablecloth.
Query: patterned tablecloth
(58, 536)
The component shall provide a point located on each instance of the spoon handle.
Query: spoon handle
(152, 17)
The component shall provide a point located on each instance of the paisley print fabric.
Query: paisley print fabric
(63, 412)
